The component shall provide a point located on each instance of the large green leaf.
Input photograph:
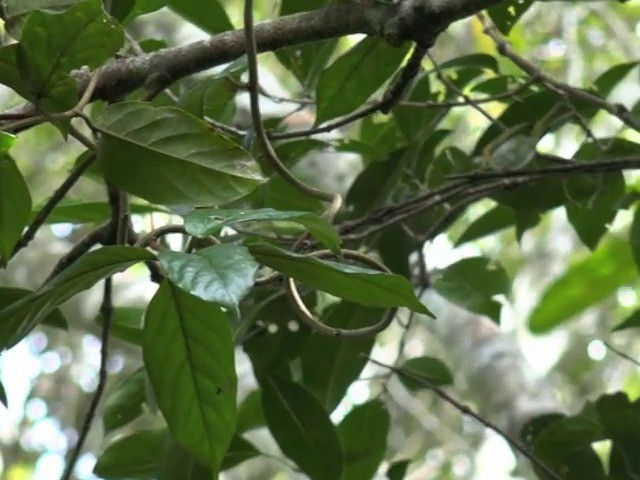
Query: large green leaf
(240, 450)
(586, 282)
(132, 457)
(364, 452)
(302, 428)
(355, 284)
(330, 365)
(15, 8)
(15, 205)
(177, 463)
(9, 295)
(203, 222)
(496, 219)
(21, 317)
(250, 413)
(222, 274)
(356, 75)
(169, 157)
(209, 15)
(126, 402)
(188, 354)
(472, 283)
(52, 45)
(505, 15)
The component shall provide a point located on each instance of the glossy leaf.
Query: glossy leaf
(472, 283)
(431, 370)
(364, 453)
(330, 365)
(9, 295)
(356, 75)
(586, 282)
(355, 284)
(221, 274)
(169, 157)
(84, 35)
(302, 428)
(132, 457)
(125, 403)
(21, 317)
(15, 205)
(209, 15)
(188, 354)
(203, 222)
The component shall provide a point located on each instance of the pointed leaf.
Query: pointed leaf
(15, 205)
(203, 222)
(3, 396)
(586, 282)
(496, 219)
(364, 453)
(632, 321)
(302, 428)
(240, 450)
(222, 274)
(355, 284)
(397, 470)
(167, 156)
(471, 283)
(125, 403)
(432, 370)
(21, 317)
(330, 365)
(250, 413)
(188, 354)
(9, 295)
(51, 45)
(131, 457)
(356, 75)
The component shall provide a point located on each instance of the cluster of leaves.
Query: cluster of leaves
(172, 159)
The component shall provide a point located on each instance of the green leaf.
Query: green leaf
(632, 321)
(634, 238)
(240, 450)
(471, 283)
(222, 274)
(9, 295)
(356, 75)
(355, 284)
(505, 15)
(3, 396)
(586, 282)
(169, 157)
(132, 457)
(21, 317)
(250, 415)
(176, 463)
(188, 354)
(72, 211)
(397, 470)
(608, 80)
(213, 96)
(208, 15)
(126, 402)
(276, 336)
(330, 365)
(480, 60)
(496, 219)
(84, 35)
(15, 8)
(431, 370)
(15, 205)
(591, 219)
(363, 453)
(302, 428)
(126, 324)
(204, 222)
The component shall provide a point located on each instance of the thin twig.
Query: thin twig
(620, 353)
(58, 195)
(465, 410)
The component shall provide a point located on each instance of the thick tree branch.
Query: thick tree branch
(411, 20)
